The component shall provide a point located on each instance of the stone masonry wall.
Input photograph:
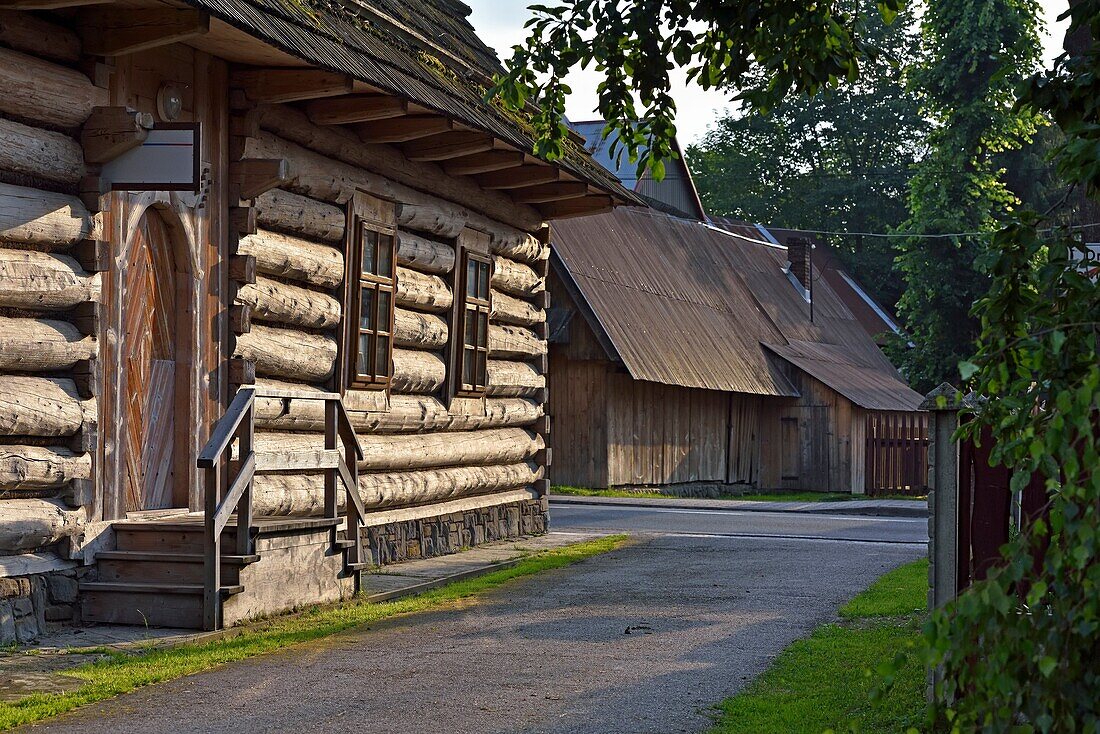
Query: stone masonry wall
(438, 536)
(29, 605)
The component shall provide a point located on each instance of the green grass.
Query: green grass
(824, 681)
(751, 497)
(124, 672)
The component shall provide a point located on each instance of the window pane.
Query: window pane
(483, 281)
(384, 298)
(482, 329)
(370, 240)
(366, 309)
(470, 331)
(481, 368)
(471, 278)
(469, 357)
(385, 255)
(364, 354)
(381, 356)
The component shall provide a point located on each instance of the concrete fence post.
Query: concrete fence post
(943, 502)
(943, 494)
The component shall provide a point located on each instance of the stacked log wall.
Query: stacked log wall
(422, 447)
(49, 289)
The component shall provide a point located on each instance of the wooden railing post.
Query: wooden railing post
(212, 581)
(246, 441)
(354, 518)
(331, 415)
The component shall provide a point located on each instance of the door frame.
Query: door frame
(182, 220)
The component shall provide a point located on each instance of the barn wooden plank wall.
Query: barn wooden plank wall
(616, 431)
(419, 449)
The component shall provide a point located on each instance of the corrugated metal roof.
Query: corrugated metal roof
(353, 37)
(670, 301)
(686, 303)
(866, 387)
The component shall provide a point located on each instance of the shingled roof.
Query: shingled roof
(423, 50)
(685, 303)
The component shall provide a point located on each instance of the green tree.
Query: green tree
(761, 51)
(1019, 650)
(837, 161)
(979, 53)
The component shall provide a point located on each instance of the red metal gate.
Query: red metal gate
(896, 456)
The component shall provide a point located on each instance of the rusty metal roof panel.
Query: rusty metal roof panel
(691, 304)
(421, 50)
(671, 303)
(865, 386)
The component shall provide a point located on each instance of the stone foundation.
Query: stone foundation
(31, 605)
(445, 534)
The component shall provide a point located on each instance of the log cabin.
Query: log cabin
(703, 359)
(272, 303)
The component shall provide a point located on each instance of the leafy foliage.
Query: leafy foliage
(1020, 650)
(837, 161)
(787, 46)
(979, 52)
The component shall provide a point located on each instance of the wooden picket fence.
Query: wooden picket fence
(896, 457)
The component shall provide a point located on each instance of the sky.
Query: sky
(500, 25)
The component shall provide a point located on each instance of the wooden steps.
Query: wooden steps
(155, 575)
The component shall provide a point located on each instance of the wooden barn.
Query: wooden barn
(686, 354)
(272, 303)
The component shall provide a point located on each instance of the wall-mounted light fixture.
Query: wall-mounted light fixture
(169, 101)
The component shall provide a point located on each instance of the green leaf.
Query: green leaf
(1057, 338)
(1047, 665)
(967, 370)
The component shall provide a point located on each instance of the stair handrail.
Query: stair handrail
(239, 422)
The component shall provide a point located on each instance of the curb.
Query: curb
(829, 508)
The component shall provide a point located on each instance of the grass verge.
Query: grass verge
(824, 682)
(751, 497)
(124, 672)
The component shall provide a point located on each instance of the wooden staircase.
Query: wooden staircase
(156, 575)
(173, 572)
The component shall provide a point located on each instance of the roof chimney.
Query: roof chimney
(798, 253)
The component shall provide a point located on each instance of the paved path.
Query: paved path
(644, 639)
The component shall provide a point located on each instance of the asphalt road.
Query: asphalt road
(644, 639)
(739, 523)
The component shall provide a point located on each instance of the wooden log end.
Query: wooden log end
(254, 176)
(542, 299)
(242, 372)
(240, 318)
(86, 317)
(111, 131)
(242, 268)
(544, 457)
(90, 190)
(93, 255)
(86, 377)
(542, 486)
(242, 220)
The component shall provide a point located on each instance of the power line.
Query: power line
(914, 235)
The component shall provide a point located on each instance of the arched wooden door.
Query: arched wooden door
(150, 346)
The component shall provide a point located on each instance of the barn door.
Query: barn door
(151, 376)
